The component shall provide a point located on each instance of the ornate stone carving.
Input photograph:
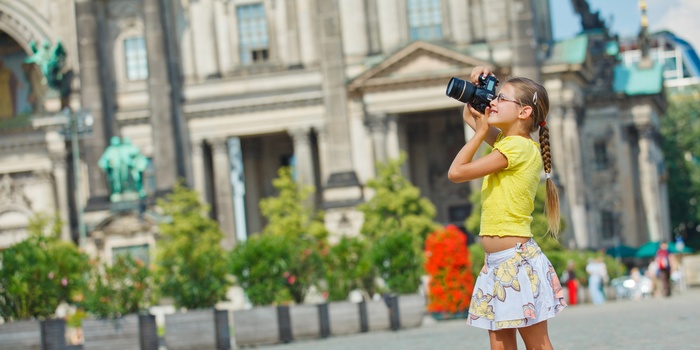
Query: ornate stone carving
(12, 192)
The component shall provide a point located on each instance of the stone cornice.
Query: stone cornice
(229, 107)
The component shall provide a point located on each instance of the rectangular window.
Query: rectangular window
(424, 19)
(601, 155)
(252, 31)
(136, 59)
(607, 224)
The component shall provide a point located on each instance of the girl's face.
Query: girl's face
(506, 110)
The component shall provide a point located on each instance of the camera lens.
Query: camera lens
(460, 90)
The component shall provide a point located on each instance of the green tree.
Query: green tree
(39, 273)
(348, 266)
(190, 264)
(287, 213)
(397, 205)
(295, 234)
(680, 130)
(396, 222)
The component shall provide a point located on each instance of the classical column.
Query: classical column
(91, 95)
(377, 125)
(649, 182)
(573, 173)
(164, 141)
(251, 164)
(58, 161)
(303, 158)
(198, 169)
(223, 193)
(393, 142)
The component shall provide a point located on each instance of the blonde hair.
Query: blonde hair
(530, 93)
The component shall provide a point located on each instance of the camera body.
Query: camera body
(479, 96)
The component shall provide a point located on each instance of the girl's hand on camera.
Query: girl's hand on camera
(477, 72)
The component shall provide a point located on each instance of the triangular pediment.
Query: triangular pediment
(416, 63)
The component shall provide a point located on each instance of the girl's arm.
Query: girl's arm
(463, 167)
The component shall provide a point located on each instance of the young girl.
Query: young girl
(518, 287)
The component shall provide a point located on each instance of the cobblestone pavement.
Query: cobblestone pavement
(657, 323)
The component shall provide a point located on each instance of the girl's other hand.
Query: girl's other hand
(477, 72)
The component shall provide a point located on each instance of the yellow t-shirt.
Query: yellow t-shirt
(508, 195)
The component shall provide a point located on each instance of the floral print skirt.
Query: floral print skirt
(517, 287)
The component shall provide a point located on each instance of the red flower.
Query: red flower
(447, 262)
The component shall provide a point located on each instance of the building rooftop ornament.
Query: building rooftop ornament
(645, 62)
(589, 20)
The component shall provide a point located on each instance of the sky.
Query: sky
(682, 17)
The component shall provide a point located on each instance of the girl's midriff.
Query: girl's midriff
(494, 244)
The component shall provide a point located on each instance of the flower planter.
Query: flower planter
(197, 329)
(411, 310)
(137, 331)
(344, 318)
(258, 325)
(20, 335)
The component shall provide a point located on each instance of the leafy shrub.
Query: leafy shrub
(447, 263)
(348, 266)
(396, 205)
(39, 273)
(120, 289)
(284, 261)
(399, 261)
(274, 269)
(191, 267)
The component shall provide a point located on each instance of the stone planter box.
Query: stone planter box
(127, 332)
(20, 335)
(30, 335)
(283, 324)
(197, 330)
(258, 325)
(411, 310)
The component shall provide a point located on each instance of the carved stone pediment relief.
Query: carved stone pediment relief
(12, 192)
(416, 64)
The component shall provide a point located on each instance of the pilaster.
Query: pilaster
(60, 179)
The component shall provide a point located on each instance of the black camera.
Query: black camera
(479, 96)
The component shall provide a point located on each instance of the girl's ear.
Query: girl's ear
(525, 112)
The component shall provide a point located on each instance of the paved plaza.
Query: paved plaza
(657, 323)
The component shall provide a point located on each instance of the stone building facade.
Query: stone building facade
(221, 93)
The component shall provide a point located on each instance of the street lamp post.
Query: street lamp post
(79, 122)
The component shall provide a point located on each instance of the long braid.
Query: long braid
(552, 192)
(533, 94)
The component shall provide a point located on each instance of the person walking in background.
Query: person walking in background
(517, 288)
(663, 264)
(597, 276)
(569, 278)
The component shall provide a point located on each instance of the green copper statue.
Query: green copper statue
(124, 165)
(51, 62)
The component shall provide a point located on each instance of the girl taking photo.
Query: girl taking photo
(517, 289)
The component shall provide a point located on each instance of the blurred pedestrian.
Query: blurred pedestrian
(571, 282)
(597, 276)
(663, 263)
